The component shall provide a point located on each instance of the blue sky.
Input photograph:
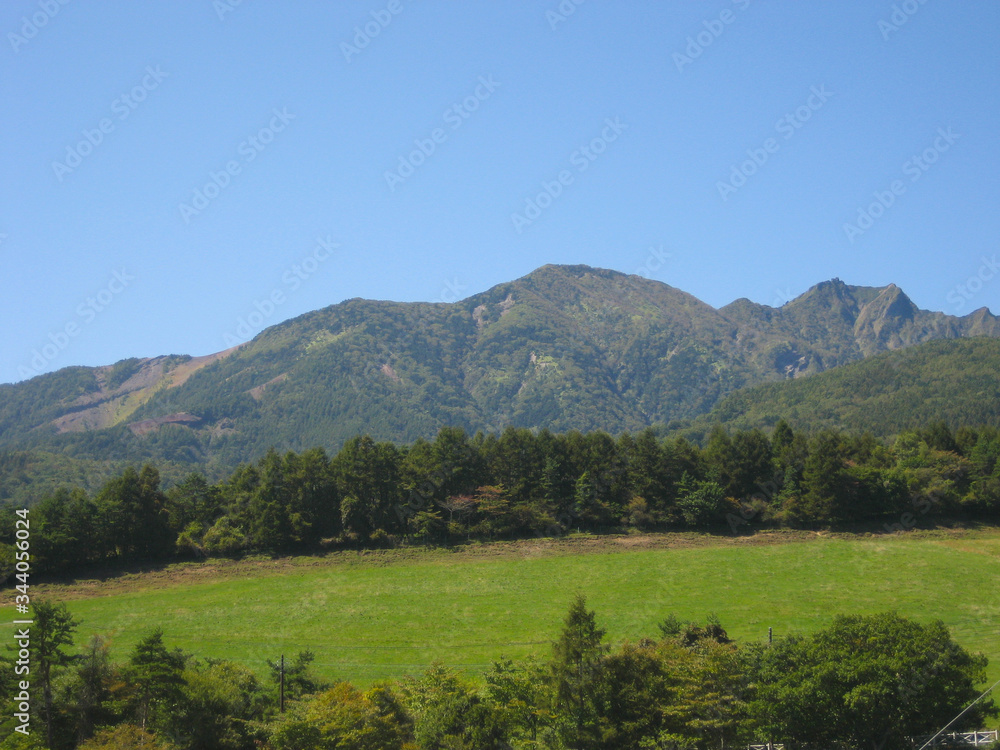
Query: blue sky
(179, 175)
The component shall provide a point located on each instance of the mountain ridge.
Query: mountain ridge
(563, 347)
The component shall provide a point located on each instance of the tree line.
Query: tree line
(522, 483)
(864, 681)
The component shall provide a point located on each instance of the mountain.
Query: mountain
(565, 347)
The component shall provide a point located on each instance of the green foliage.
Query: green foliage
(448, 712)
(51, 632)
(224, 538)
(17, 741)
(126, 737)
(519, 691)
(193, 501)
(700, 503)
(68, 532)
(823, 480)
(157, 677)
(867, 681)
(220, 709)
(563, 348)
(576, 674)
(87, 693)
(134, 523)
(454, 488)
(692, 635)
(122, 371)
(944, 384)
(426, 525)
(299, 679)
(43, 398)
(659, 691)
(7, 561)
(345, 717)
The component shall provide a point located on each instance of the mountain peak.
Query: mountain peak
(887, 322)
(898, 305)
(834, 286)
(577, 270)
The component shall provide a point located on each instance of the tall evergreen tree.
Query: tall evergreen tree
(269, 526)
(576, 669)
(51, 632)
(646, 470)
(313, 505)
(156, 677)
(133, 516)
(823, 479)
(87, 696)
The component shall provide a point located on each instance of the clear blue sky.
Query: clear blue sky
(833, 99)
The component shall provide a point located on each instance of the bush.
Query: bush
(125, 737)
(224, 538)
(381, 539)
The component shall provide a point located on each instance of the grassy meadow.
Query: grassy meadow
(388, 613)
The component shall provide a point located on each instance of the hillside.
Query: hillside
(511, 596)
(957, 382)
(565, 347)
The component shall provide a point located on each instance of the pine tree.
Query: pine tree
(576, 673)
(52, 630)
(156, 675)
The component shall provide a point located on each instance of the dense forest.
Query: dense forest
(864, 681)
(522, 483)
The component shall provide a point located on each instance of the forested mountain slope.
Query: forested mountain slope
(565, 347)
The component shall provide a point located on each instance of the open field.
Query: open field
(381, 614)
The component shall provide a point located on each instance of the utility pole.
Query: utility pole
(281, 699)
(770, 640)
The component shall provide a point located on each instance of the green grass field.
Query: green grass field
(367, 616)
